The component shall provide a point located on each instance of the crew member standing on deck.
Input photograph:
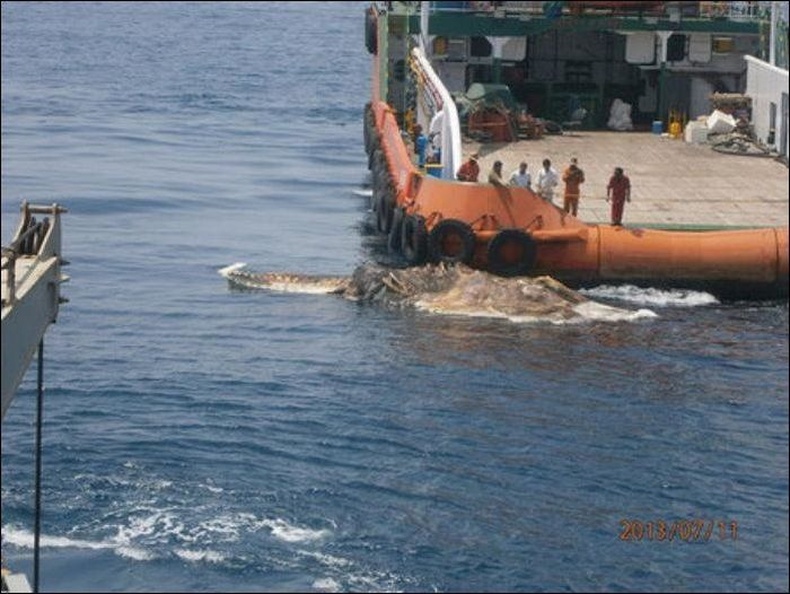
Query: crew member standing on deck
(521, 177)
(420, 145)
(619, 192)
(573, 176)
(470, 170)
(495, 175)
(547, 180)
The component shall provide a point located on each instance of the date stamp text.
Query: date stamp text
(695, 530)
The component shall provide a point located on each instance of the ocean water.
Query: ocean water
(201, 439)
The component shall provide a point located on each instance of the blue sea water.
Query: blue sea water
(201, 439)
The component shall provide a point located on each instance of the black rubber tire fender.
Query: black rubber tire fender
(511, 252)
(379, 179)
(396, 228)
(377, 162)
(370, 133)
(384, 182)
(414, 239)
(366, 127)
(373, 141)
(383, 190)
(385, 212)
(371, 31)
(451, 241)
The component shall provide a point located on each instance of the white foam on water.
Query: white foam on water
(138, 538)
(326, 585)
(134, 553)
(363, 193)
(352, 575)
(200, 556)
(651, 296)
(328, 560)
(212, 488)
(284, 531)
(156, 524)
(90, 479)
(25, 539)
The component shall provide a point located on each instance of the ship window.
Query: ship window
(456, 49)
(440, 46)
(480, 47)
(676, 48)
(723, 45)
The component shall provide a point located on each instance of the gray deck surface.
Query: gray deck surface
(673, 183)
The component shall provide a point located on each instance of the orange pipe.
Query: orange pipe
(618, 253)
(747, 255)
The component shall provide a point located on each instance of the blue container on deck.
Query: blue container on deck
(658, 127)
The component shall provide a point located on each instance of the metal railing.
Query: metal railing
(737, 11)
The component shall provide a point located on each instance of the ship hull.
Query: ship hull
(512, 231)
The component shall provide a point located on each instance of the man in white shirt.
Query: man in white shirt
(520, 178)
(547, 180)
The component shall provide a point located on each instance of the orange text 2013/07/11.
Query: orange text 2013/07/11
(693, 530)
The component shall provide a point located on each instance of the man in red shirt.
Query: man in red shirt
(619, 192)
(470, 170)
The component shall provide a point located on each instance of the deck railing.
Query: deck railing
(738, 11)
(435, 100)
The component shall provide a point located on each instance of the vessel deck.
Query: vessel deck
(674, 183)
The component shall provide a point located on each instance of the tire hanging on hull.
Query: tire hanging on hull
(385, 211)
(380, 179)
(369, 132)
(394, 237)
(371, 31)
(383, 198)
(366, 127)
(414, 239)
(451, 241)
(375, 161)
(511, 252)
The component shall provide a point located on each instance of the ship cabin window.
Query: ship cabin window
(480, 47)
(440, 46)
(578, 71)
(723, 45)
(676, 48)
